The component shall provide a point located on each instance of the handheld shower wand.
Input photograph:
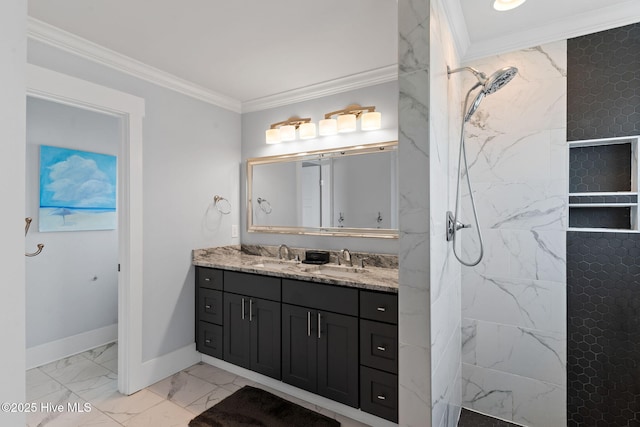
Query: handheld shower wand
(488, 86)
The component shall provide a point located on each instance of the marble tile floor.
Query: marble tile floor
(91, 378)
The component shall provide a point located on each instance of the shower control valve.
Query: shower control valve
(453, 225)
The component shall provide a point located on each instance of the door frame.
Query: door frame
(61, 88)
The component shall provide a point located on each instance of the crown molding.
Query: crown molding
(577, 25)
(455, 17)
(319, 90)
(53, 36)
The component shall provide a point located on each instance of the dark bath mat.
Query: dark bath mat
(251, 406)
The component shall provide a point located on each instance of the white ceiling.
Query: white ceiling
(249, 50)
(244, 49)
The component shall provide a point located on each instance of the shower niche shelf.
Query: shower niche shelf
(603, 185)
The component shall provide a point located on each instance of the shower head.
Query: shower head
(474, 105)
(492, 83)
(488, 85)
(498, 79)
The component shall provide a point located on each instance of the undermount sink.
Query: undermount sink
(335, 270)
(329, 270)
(277, 265)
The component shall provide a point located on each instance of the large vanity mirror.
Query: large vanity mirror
(351, 191)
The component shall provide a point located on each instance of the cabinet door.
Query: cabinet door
(237, 330)
(264, 318)
(338, 357)
(299, 347)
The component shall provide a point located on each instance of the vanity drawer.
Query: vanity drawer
(379, 306)
(209, 278)
(209, 339)
(379, 393)
(252, 285)
(210, 306)
(379, 345)
(322, 297)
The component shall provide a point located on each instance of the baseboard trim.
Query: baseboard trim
(331, 405)
(55, 350)
(163, 366)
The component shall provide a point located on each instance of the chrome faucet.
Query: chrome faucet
(346, 256)
(286, 248)
(362, 262)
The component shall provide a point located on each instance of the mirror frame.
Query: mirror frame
(385, 233)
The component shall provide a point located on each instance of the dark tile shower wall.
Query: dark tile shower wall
(603, 269)
(603, 308)
(600, 168)
(615, 218)
(603, 84)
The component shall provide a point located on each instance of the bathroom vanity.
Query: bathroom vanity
(328, 329)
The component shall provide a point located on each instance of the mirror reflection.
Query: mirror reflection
(343, 191)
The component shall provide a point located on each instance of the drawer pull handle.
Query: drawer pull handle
(207, 279)
(250, 310)
(319, 326)
(207, 341)
(207, 307)
(382, 348)
(381, 397)
(382, 309)
(242, 308)
(308, 323)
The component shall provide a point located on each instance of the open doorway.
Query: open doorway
(71, 188)
(128, 111)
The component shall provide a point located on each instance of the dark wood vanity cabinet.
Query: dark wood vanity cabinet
(320, 339)
(209, 311)
(339, 342)
(252, 324)
(319, 352)
(379, 354)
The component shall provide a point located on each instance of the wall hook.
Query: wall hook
(27, 224)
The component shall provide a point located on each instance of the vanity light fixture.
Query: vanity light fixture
(346, 120)
(286, 130)
(503, 5)
(307, 130)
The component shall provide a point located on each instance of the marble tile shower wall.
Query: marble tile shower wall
(514, 301)
(413, 253)
(444, 120)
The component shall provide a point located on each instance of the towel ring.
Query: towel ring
(264, 205)
(222, 205)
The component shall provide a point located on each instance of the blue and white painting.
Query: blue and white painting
(77, 190)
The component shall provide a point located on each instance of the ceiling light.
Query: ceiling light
(286, 130)
(502, 5)
(346, 119)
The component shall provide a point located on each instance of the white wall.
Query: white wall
(514, 301)
(13, 44)
(63, 298)
(383, 96)
(444, 119)
(191, 152)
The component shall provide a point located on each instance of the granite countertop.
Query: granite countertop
(233, 258)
